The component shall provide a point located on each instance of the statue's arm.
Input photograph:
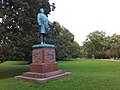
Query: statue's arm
(38, 19)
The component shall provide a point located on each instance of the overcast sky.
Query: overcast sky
(84, 16)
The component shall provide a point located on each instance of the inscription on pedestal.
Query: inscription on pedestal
(50, 55)
(42, 55)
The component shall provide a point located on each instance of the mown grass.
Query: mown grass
(86, 75)
(12, 68)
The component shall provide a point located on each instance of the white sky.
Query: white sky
(84, 16)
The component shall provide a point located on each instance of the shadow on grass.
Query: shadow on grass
(13, 68)
(12, 73)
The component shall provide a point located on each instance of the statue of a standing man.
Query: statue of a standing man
(43, 25)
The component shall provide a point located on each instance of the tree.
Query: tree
(96, 44)
(66, 47)
(115, 46)
(18, 29)
(75, 50)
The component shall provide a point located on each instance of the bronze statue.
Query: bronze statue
(43, 25)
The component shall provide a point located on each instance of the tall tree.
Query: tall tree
(95, 44)
(66, 47)
(18, 29)
(115, 46)
(98, 45)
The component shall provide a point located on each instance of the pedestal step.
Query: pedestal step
(42, 77)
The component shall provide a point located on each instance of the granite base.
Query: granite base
(42, 77)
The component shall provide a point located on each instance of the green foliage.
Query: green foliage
(66, 47)
(115, 46)
(18, 29)
(86, 75)
(98, 45)
(95, 44)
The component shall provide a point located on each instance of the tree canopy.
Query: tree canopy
(19, 31)
(64, 41)
(98, 45)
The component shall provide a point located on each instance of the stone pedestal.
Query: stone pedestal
(44, 60)
(44, 66)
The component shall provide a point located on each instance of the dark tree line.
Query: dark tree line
(19, 31)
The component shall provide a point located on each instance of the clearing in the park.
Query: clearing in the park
(86, 75)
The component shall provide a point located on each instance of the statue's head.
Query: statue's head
(42, 10)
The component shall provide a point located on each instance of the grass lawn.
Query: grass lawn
(86, 75)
